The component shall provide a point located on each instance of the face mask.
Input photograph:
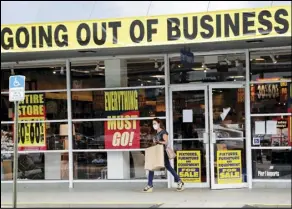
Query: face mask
(155, 126)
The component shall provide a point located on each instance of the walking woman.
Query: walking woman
(162, 138)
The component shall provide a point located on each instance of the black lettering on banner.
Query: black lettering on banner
(22, 133)
(281, 21)
(218, 27)
(265, 22)
(173, 26)
(95, 38)
(47, 37)
(115, 26)
(33, 37)
(83, 26)
(10, 44)
(19, 31)
(64, 41)
(141, 31)
(187, 34)
(207, 27)
(247, 23)
(150, 29)
(230, 24)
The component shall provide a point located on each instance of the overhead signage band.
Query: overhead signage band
(148, 31)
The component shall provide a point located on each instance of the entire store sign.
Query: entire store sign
(148, 31)
(32, 135)
(124, 133)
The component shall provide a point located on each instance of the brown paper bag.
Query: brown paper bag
(154, 158)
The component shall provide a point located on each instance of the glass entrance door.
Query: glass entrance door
(189, 127)
(227, 136)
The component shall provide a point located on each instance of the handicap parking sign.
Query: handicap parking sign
(16, 88)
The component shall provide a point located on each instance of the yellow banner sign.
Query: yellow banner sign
(189, 166)
(32, 135)
(229, 167)
(148, 31)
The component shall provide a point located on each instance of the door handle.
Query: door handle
(213, 138)
(206, 138)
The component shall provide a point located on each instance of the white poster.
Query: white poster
(260, 127)
(187, 116)
(271, 127)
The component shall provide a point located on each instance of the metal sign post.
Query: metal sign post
(16, 94)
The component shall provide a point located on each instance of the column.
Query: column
(118, 162)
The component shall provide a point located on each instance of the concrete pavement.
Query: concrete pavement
(160, 197)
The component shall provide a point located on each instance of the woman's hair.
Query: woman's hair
(159, 122)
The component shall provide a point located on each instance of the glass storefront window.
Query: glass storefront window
(34, 136)
(271, 131)
(118, 73)
(110, 134)
(109, 103)
(37, 79)
(271, 164)
(93, 166)
(211, 68)
(47, 105)
(271, 97)
(36, 166)
(270, 65)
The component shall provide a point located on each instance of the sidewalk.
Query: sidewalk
(160, 197)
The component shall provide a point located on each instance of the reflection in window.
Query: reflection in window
(214, 68)
(55, 106)
(98, 104)
(271, 164)
(118, 73)
(271, 131)
(271, 97)
(271, 65)
(33, 136)
(98, 135)
(42, 78)
(36, 166)
(93, 165)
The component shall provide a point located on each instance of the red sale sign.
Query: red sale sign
(121, 131)
(123, 134)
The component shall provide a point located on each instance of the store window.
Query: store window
(267, 97)
(93, 166)
(272, 164)
(118, 73)
(38, 78)
(271, 108)
(114, 134)
(271, 65)
(44, 105)
(110, 103)
(271, 131)
(36, 166)
(211, 68)
(35, 136)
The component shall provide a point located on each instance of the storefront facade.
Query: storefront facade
(87, 116)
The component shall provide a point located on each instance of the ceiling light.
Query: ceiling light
(204, 65)
(54, 72)
(157, 76)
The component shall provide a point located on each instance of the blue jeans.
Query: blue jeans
(168, 167)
